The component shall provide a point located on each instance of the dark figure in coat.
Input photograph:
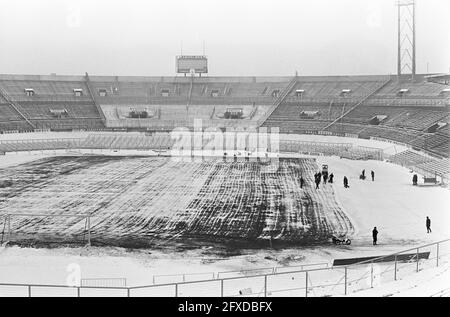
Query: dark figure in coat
(325, 178)
(428, 222)
(372, 173)
(345, 182)
(415, 180)
(363, 173)
(375, 235)
(317, 182)
(331, 178)
(302, 182)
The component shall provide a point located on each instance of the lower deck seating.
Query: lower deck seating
(409, 158)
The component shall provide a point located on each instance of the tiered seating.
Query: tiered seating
(287, 117)
(56, 95)
(346, 128)
(362, 153)
(159, 141)
(439, 167)
(295, 126)
(10, 120)
(45, 90)
(363, 114)
(7, 113)
(417, 119)
(419, 94)
(409, 158)
(38, 110)
(417, 89)
(436, 143)
(39, 145)
(332, 90)
(402, 136)
(314, 147)
(131, 142)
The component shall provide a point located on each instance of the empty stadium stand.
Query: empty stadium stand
(412, 113)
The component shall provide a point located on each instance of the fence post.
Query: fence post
(265, 285)
(417, 260)
(306, 288)
(221, 288)
(176, 289)
(89, 230)
(9, 227)
(78, 292)
(371, 275)
(395, 268)
(29, 290)
(345, 281)
(128, 292)
(437, 254)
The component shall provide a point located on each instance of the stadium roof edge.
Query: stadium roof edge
(206, 79)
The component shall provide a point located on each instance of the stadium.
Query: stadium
(198, 177)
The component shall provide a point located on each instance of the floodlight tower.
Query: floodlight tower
(406, 61)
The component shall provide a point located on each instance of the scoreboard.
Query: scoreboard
(186, 64)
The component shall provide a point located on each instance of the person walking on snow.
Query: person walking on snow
(374, 235)
(428, 222)
(317, 181)
(372, 173)
(415, 180)
(302, 182)
(346, 182)
(331, 178)
(325, 178)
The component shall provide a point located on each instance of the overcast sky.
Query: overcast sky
(242, 37)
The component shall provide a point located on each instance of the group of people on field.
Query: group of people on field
(318, 177)
(325, 177)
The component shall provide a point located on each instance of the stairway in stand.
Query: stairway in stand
(279, 100)
(16, 106)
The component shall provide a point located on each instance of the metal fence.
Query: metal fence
(330, 281)
(204, 276)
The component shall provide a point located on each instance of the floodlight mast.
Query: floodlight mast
(406, 59)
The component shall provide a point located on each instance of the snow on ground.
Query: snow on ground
(390, 203)
(432, 282)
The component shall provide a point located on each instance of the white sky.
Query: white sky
(243, 37)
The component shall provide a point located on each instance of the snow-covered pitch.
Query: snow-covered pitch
(144, 201)
(391, 203)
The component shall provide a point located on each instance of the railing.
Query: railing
(92, 93)
(388, 80)
(103, 282)
(217, 275)
(332, 281)
(424, 167)
(279, 100)
(15, 106)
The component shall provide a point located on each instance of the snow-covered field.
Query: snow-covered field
(390, 203)
(146, 201)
